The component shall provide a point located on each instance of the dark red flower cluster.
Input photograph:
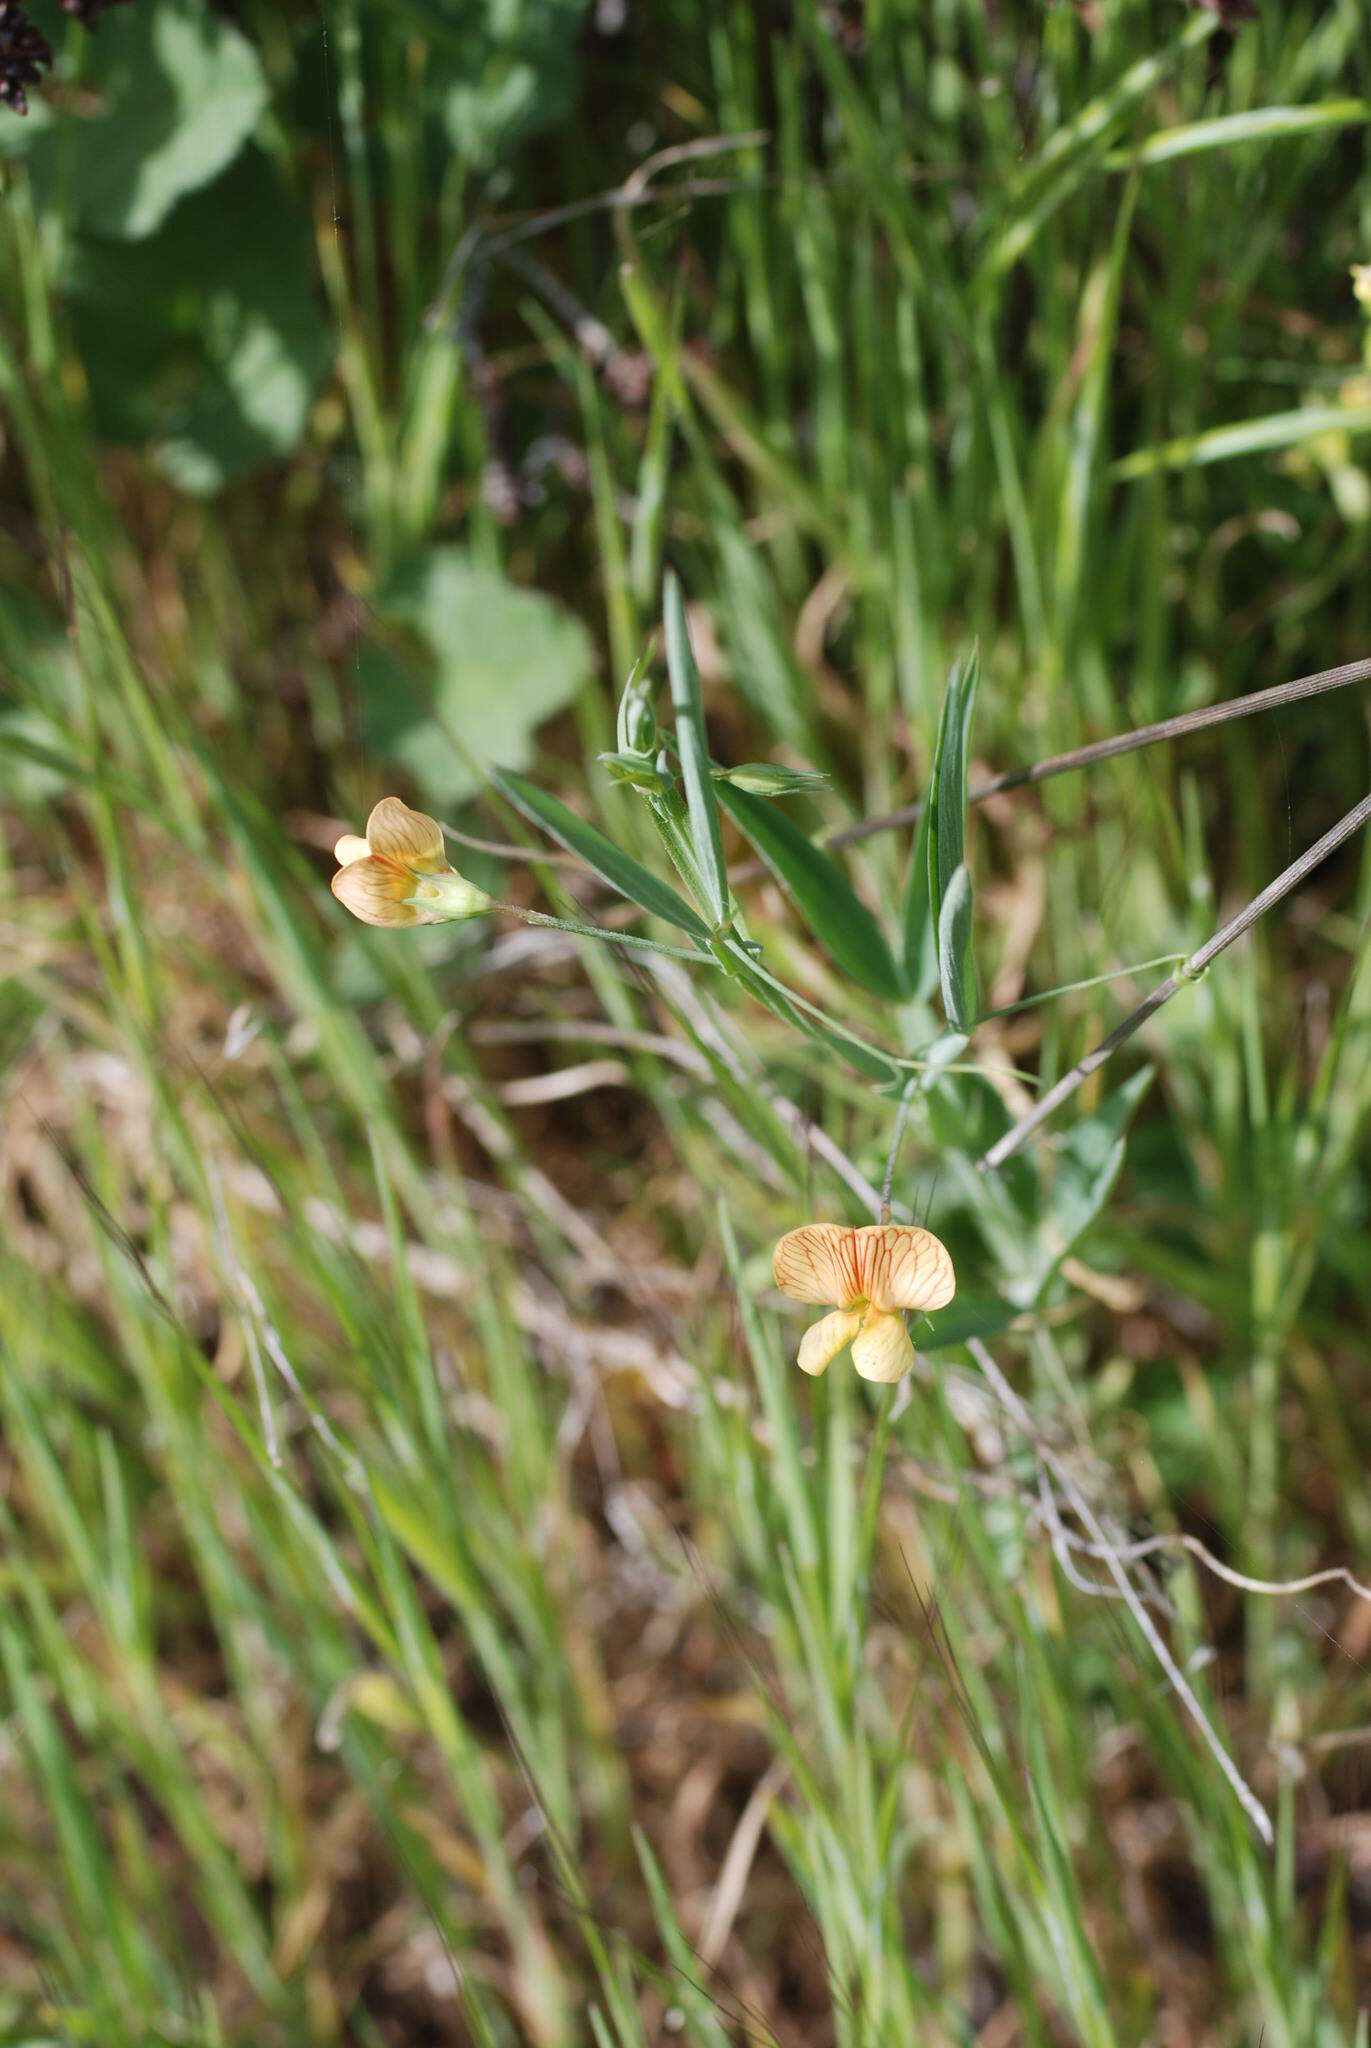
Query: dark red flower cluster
(25, 51)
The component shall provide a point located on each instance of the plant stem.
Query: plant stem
(901, 1119)
(1023, 1420)
(1141, 736)
(596, 931)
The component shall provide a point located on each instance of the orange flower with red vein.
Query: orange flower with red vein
(399, 874)
(871, 1275)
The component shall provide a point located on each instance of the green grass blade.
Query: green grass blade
(1228, 131)
(1245, 437)
(835, 914)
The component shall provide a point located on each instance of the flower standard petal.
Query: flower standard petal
(823, 1340)
(375, 891)
(902, 1266)
(881, 1349)
(349, 848)
(818, 1263)
(411, 838)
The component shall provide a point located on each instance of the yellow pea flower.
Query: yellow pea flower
(399, 874)
(870, 1275)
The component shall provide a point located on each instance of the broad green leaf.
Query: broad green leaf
(693, 749)
(473, 668)
(947, 839)
(170, 94)
(624, 874)
(205, 341)
(956, 968)
(515, 72)
(838, 918)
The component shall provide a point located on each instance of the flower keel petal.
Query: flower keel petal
(349, 848)
(375, 891)
(881, 1350)
(823, 1340)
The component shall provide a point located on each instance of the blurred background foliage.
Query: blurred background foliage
(432, 1608)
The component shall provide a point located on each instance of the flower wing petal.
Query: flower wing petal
(395, 832)
(816, 1263)
(823, 1340)
(904, 1267)
(881, 1349)
(349, 848)
(375, 892)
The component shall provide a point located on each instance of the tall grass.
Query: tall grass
(432, 1606)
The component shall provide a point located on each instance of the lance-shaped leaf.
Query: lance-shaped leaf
(838, 918)
(628, 876)
(947, 841)
(956, 968)
(693, 750)
(919, 934)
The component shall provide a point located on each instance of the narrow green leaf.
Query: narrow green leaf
(689, 1972)
(868, 1059)
(1245, 437)
(947, 840)
(838, 918)
(636, 728)
(1256, 124)
(769, 778)
(918, 934)
(693, 749)
(947, 796)
(628, 876)
(635, 769)
(956, 968)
